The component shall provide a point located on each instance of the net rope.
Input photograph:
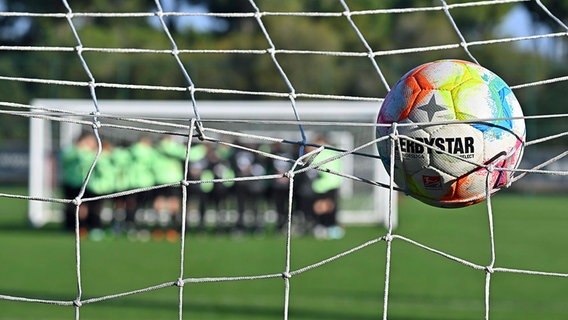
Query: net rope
(198, 129)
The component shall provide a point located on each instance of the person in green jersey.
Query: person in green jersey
(76, 160)
(101, 182)
(124, 206)
(168, 168)
(141, 173)
(320, 193)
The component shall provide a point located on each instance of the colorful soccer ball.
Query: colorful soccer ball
(455, 123)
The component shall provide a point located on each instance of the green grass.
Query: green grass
(529, 234)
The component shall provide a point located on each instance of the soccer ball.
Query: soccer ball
(452, 123)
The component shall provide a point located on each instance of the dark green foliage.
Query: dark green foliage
(308, 73)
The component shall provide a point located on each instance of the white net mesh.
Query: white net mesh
(372, 67)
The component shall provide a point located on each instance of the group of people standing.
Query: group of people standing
(216, 200)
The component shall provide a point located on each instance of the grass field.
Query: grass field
(530, 233)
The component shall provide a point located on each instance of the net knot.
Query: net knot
(393, 136)
(77, 201)
(185, 183)
(388, 238)
(289, 174)
(97, 125)
(179, 283)
(199, 131)
(77, 303)
(286, 275)
(489, 269)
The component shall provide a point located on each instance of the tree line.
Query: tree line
(322, 74)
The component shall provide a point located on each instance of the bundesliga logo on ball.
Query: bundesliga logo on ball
(456, 123)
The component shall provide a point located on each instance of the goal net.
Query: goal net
(293, 86)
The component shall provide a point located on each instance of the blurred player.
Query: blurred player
(76, 161)
(320, 194)
(168, 168)
(279, 188)
(249, 193)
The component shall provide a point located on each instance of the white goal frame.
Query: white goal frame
(42, 162)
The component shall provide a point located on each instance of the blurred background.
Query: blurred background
(530, 217)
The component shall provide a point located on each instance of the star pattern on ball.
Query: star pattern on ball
(431, 108)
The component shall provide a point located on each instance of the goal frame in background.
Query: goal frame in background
(64, 111)
(43, 157)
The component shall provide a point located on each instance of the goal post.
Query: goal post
(337, 119)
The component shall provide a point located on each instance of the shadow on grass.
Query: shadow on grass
(209, 310)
